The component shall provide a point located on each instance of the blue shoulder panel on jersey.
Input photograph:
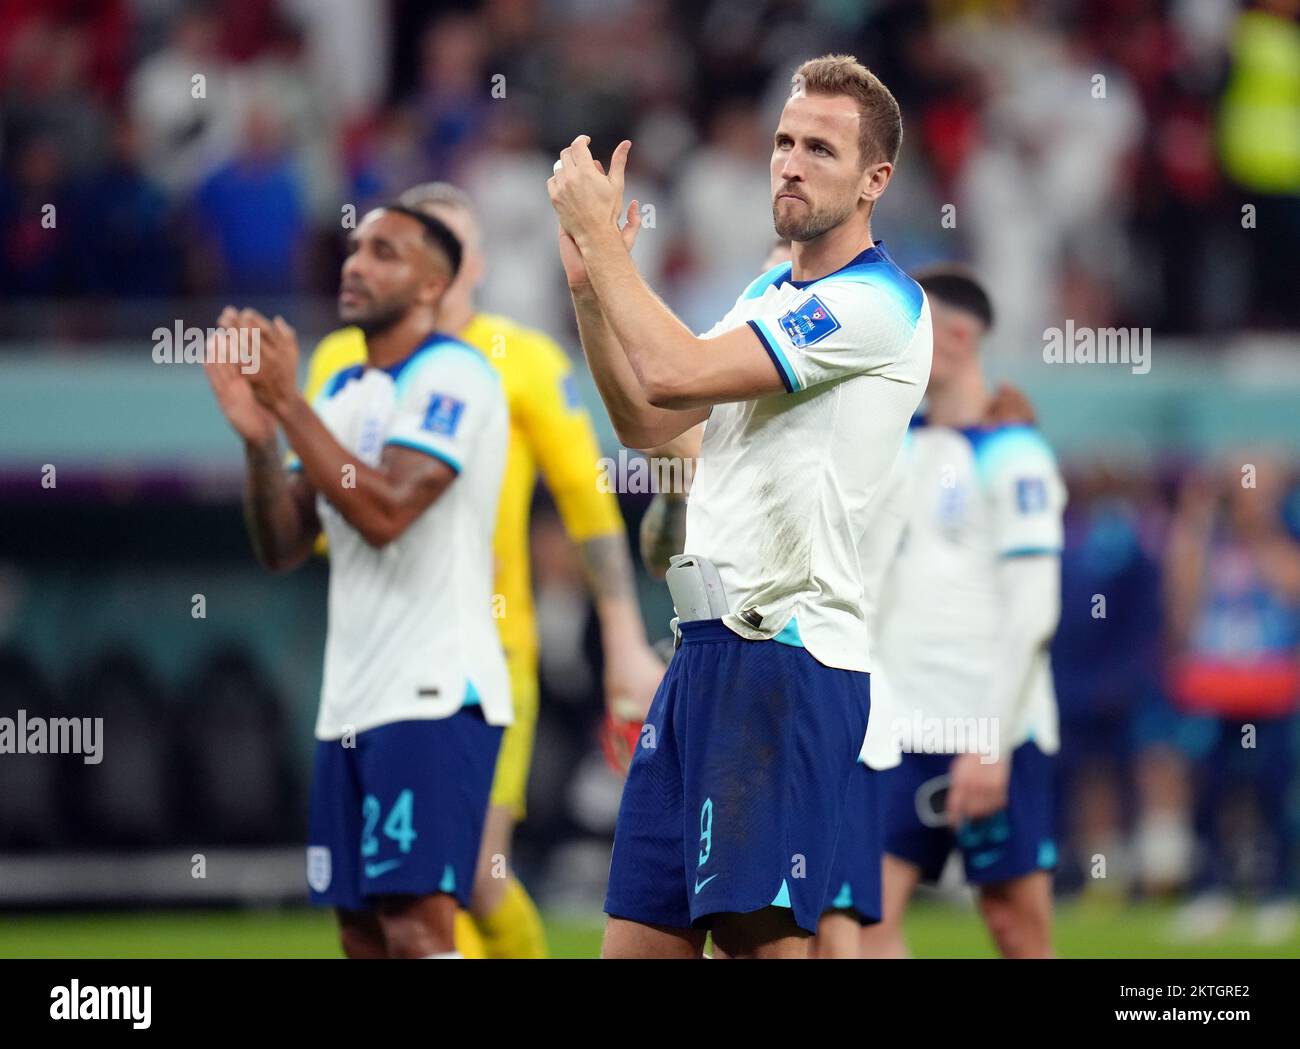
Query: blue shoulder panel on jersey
(764, 281)
(999, 447)
(880, 272)
(876, 268)
(438, 342)
(341, 379)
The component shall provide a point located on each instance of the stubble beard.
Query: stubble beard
(811, 225)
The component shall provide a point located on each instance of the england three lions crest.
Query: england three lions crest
(319, 868)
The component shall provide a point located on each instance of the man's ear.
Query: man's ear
(875, 179)
(433, 287)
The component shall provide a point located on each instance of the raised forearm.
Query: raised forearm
(637, 422)
(281, 532)
(656, 345)
(369, 500)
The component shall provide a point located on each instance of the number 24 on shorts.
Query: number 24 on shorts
(399, 826)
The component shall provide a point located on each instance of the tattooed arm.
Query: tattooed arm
(279, 509)
(663, 532)
(632, 670)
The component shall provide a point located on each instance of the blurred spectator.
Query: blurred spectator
(37, 236)
(183, 100)
(252, 211)
(507, 181)
(453, 95)
(1042, 195)
(1233, 593)
(277, 82)
(724, 197)
(1259, 134)
(125, 242)
(1087, 149)
(347, 51)
(47, 93)
(1104, 661)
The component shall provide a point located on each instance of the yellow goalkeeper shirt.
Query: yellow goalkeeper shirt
(550, 430)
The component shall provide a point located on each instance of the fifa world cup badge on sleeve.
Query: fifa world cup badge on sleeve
(443, 414)
(810, 322)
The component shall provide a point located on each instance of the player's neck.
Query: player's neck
(833, 250)
(958, 403)
(455, 314)
(396, 343)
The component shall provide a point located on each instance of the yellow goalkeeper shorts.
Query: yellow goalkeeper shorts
(510, 785)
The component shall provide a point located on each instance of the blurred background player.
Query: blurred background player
(1233, 595)
(971, 604)
(409, 445)
(550, 431)
(847, 342)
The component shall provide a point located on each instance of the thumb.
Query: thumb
(632, 226)
(618, 165)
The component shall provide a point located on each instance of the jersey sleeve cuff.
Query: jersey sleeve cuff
(788, 377)
(436, 453)
(1031, 551)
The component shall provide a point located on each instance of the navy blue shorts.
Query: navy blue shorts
(855, 873)
(734, 797)
(400, 813)
(1016, 841)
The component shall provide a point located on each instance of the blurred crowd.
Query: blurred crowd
(1092, 158)
(1177, 673)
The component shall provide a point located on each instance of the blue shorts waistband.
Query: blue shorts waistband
(697, 630)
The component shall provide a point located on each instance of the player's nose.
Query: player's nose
(792, 167)
(353, 266)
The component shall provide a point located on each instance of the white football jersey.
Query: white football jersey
(410, 631)
(891, 509)
(978, 496)
(784, 491)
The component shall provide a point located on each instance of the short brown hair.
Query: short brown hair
(881, 128)
(437, 194)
